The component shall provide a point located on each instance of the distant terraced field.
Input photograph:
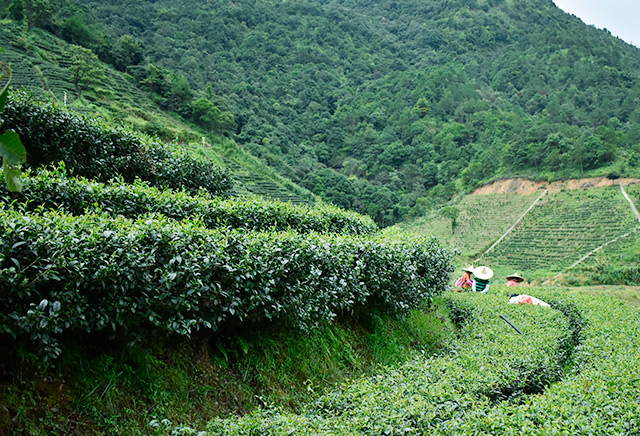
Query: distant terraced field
(567, 230)
(563, 228)
(482, 220)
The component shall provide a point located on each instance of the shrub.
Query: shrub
(62, 275)
(493, 381)
(55, 187)
(97, 151)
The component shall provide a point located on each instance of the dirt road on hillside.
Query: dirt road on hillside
(525, 187)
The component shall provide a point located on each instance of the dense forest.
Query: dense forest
(384, 107)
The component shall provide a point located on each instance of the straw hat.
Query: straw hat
(468, 268)
(483, 272)
(515, 277)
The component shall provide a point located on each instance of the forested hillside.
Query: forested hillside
(373, 105)
(384, 107)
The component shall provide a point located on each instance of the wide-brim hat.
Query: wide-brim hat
(515, 277)
(483, 272)
(468, 268)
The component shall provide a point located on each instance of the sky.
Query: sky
(620, 17)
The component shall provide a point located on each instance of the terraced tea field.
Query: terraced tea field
(482, 220)
(563, 228)
(578, 229)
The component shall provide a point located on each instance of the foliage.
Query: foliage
(94, 149)
(394, 104)
(115, 390)
(577, 358)
(85, 68)
(51, 188)
(63, 276)
(11, 148)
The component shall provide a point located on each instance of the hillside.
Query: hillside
(45, 65)
(584, 228)
(375, 105)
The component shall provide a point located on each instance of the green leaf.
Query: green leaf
(12, 177)
(11, 148)
(4, 71)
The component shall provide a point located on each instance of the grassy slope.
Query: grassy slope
(40, 63)
(118, 389)
(559, 230)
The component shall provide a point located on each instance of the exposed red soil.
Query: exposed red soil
(524, 186)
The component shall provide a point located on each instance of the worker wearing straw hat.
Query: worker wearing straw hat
(481, 282)
(465, 281)
(514, 279)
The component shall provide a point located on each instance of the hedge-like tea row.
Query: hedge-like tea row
(51, 188)
(489, 363)
(61, 274)
(98, 151)
(541, 390)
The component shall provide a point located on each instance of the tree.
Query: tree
(179, 94)
(452, 213)
(209, 116)
(85, 69)
(127, 51)
(38, 13)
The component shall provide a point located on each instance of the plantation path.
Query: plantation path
(513, 226)
(635, 211)
(633, 206)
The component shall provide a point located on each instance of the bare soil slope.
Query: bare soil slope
(527, 187)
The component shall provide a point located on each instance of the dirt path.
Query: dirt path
(633, 206)
(513, 226)
(525, 187)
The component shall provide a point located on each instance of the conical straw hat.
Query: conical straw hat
(483, 272)
(515, 277)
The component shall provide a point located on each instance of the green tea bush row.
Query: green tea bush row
(491, 367)
(453, 394)
(61, 275)
(55, 187)
(97, 151)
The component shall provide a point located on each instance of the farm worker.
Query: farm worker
(514, 279)
(481, 282)
(526, 299)
(465, 281)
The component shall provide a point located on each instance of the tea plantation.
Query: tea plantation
(563, 228)
(573, 371)
(482, 219)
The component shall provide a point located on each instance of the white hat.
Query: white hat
(483, 272)
(468, 268)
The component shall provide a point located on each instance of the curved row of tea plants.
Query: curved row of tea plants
(96, 150)
(62, 276)
(581, 368)
(55, 187)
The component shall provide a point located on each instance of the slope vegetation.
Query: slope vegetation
(588, 230)
(373, 105)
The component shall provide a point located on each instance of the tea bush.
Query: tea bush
(62, 276)
(98, 151)
(51, 188)
(574, 371)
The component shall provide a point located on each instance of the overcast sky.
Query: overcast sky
(620, 17)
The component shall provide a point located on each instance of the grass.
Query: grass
(107, 388)
(482, 220)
